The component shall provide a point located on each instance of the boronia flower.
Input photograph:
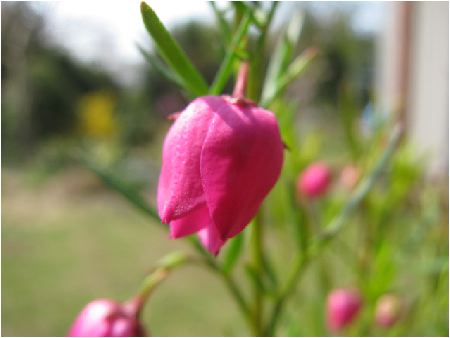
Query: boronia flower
(350, 176)
(107, 318)
(388, 310)
(314, 180)
(343, 305)
(221, 157)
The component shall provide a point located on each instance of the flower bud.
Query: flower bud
(221, 157)
(107, 318)
(314, 180)
(343, 305)
(350, 175)
(387, 310)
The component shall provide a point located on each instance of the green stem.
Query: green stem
(299, 264)
(333, 229)
(258, 263)
(150, 284)
(159, 274)
(239, 298)
(229, 281)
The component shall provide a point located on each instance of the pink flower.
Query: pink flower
(387, 311)
(350, 176)
(107, 318)
(221, 158)
(314, 180)
(343, 306)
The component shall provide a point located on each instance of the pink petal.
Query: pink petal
(190, 223)
(240, 163)
(92, 321)
(123, 327)
(210, 238)
(342, 307)
(179, 188)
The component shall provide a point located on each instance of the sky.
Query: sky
(106, 32)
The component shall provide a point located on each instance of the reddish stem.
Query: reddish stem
(241, 81)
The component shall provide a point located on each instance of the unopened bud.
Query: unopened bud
(343, 306)
(314, 180)
(107, 318)
(387, 310)
(350, 175)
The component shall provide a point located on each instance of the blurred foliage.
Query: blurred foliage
(96, 112)
(41, 84)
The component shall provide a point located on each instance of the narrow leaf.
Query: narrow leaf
(226, 68)
(295, 28)
(270, 272)
(163, 70)
(257, 15)
(130, 194)
(298, 66)
(257, 64)
(255, 278)
(282, 55)
(232, 253)
(171, 52)
(223, 24)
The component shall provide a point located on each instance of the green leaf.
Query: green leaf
(282, 55)
(130, 194)
(270, 273)
(233, 252)
(255, 278)
(257, 65)
(257, 15)
(171, 52)
(296, 68)
(164, 71)
(226, 68)
(223, 24)
(348, 111)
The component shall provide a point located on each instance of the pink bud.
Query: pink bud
(107, 318)
(387, 310)
(314, 180)
(221, 157)
(343, 306)
(350, 176)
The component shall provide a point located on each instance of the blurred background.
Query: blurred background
(73, 80)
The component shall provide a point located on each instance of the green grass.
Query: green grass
(67, 240)
(62, 249)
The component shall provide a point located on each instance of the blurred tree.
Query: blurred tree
(41, 84)
(346, 59)
(348, 56)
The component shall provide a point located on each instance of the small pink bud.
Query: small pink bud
(387, 310)
(350, 176)
(107, 318)
(314, 180)
(221, 157)
(343, 306)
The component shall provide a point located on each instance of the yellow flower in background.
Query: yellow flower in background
(96, 112)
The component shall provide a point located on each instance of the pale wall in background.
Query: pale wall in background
(413, 73)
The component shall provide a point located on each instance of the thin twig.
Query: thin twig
(333, 229)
